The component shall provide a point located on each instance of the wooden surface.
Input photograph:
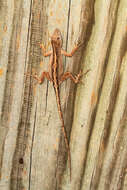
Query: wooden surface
(33, 155)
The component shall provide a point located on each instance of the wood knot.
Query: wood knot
(21, 160)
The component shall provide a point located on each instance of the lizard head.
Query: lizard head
(56, 38)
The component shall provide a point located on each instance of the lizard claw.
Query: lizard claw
(78, 43)
(42, 45)
(78, 77)
(86, 71)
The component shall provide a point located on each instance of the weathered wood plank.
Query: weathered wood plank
(103, 122)
(32, 149)
(15, 24)
(47, 113)
(88, 97)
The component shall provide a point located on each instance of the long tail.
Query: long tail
(63, 127)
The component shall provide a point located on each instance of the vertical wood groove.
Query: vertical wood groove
(32, 149)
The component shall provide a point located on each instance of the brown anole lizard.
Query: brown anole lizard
(56, 76)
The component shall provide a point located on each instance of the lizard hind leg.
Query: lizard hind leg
(75, 78)
(69, 75)
(43, 75)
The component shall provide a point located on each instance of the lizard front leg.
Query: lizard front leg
(63, 52)
(44, 53)
(44, 74)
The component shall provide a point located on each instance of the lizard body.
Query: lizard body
(56, 76)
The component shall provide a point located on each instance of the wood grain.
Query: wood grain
(32, 149)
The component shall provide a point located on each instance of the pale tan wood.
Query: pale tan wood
(14, 34)
(32, 149)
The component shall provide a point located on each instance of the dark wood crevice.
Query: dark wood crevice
(38, 124)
